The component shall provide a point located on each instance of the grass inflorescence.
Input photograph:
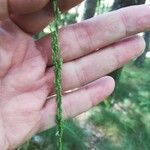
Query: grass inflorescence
(57, 62)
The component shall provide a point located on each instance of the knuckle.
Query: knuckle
(82, 37)
(81, 74)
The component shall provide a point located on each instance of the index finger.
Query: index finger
(83, 38)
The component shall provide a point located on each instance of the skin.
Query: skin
(91, 50)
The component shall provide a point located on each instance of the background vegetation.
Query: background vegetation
(122, 122)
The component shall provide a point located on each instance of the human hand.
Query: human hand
(26, 74)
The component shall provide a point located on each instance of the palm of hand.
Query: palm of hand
(24, 85)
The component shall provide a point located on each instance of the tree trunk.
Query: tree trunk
(124, 3)
(90, 8)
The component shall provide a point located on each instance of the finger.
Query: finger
(24, 7)
(20, 6)
(82, 71)
(36, 21)
(81, 39)
(78, 102)
(27, 7)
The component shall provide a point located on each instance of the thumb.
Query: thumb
(20, 7)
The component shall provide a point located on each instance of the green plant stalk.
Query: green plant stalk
(57, 62)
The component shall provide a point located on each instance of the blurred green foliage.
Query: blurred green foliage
(128, 121)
